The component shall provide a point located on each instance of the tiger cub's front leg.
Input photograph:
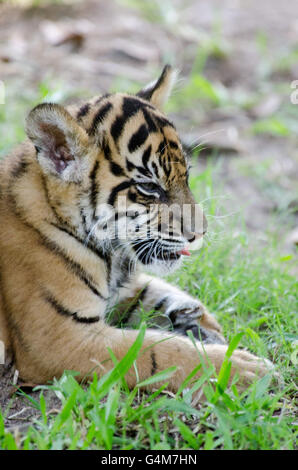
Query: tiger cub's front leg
(180, 311)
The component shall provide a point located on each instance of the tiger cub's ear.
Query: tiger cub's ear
(60, 142)
(159, 91)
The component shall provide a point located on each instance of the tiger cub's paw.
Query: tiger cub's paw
(251, 367)
(187, 314)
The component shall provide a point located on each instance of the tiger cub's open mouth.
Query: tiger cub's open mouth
(149, 250)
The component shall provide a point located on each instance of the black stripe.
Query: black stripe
(66, 228)
(83, 111)
(97, 251)
(117, 127)
(166, 164)
(53, 208)
(109, 268)
(162, 147)
(20, 169)
(125, 268)
(163, 122)
(102, 97)
(155, 169)
(117, 189)
(143, 171)
(129, 165)
(86, 319)
(173, 144)
(139, 297)
(116, 169)
(130, 107)
(75, 267)
(58, 307)
(84, 222)
(138, 138)
(154, 363)
(65, 312)
(146, 156)
(132, 196)
(160, 304)
(150, 121)
(99, 117)
(106, 149)
(94, 186)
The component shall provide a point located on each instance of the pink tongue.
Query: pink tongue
(184, 252)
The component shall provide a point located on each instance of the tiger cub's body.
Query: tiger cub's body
(67, 276)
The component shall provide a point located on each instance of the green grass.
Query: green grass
(106, 415)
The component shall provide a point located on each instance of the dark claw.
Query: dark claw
(202, 334)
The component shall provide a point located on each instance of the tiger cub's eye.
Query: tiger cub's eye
(150, 189)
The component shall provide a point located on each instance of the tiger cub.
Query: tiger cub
(95, 196)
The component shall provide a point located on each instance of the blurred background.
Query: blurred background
(235, 107)
(232, 103)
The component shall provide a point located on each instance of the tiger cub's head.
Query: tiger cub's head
(121, 163)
